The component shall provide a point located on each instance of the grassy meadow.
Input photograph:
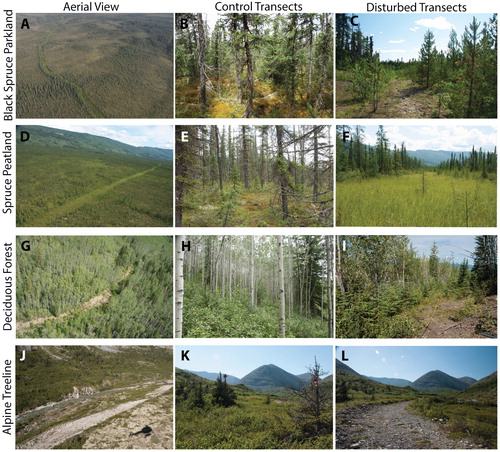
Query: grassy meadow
(95, 66)
(438, 201)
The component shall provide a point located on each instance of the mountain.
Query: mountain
(484, 390)
(434, 158)
(269, 378)
(468, 380)
(435, 381)
(401, 382)
(47, 137)
(341, 367)
(212, 376)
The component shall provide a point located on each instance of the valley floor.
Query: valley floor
(392, 426)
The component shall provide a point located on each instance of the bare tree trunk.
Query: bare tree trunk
(329, 284)
(201, 62)
(219, 159)
(249, 64)
(316, 166)
(179, 284)
(245, 156)
(282, 285)
(252, 273)
(340, 278)
(282, 172)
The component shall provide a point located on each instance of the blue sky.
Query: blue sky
(154, 136)
(397, 36)
(456, 138)
(456, 247)
(412, 362)
(240, 360)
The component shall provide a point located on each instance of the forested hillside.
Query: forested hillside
(254, 286)
(457, 82)
(380, 184)
(254, 65)
(254, 176)
(94, 287)
(385, 289)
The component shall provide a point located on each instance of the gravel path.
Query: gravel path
(56, 435)
(392, 426)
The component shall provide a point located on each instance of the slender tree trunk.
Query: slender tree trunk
(249, 64)
(340, 277)
(245, 156)
(281, 276)
(230, 269)
(282, 172)
(219, 159)
(316, 166)
(180, 172)
(201, 62)
(310, 66)
(252, 273)
(329, 284)
(179, 284)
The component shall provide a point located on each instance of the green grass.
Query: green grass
(62, 187)
(462, 419)
(399, 201)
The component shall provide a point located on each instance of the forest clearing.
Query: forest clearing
(254, 65)
(384, 77)
(258, 176)
(101, 406)
(380, 186)
(84, 65)
(105, 287)
(66, 178)
(285, 404)
(386, 289)
(263, 286)
(397, 399)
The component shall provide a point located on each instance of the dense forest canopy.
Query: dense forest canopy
(254, 65)
(459, 82)
(254, 176)
(264, 286)
(94, 287)
(380, 278)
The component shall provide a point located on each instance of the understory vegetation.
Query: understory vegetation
(258, 176)
(459, 82)
(383, 287)
(254, 65)
(94, 287)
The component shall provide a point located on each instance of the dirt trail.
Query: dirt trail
(98, 300)
(392, 426)
(48, 217)
(441, 320)
(56, 435)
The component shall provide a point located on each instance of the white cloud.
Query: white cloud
(414, 28)
(397, 42)
(439, 23)
(392, 51)
(377, 352)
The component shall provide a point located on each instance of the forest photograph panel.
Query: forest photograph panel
(96, 287)
(256, 176)
(254, 397)
(423, 176)
(254, 65)
(254, 286)
(416, 286)
(94, 175)
(416, 65)
(416, 397)
(95, 65)
(94, 397)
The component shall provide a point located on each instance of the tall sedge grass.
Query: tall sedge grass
(428, 200)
